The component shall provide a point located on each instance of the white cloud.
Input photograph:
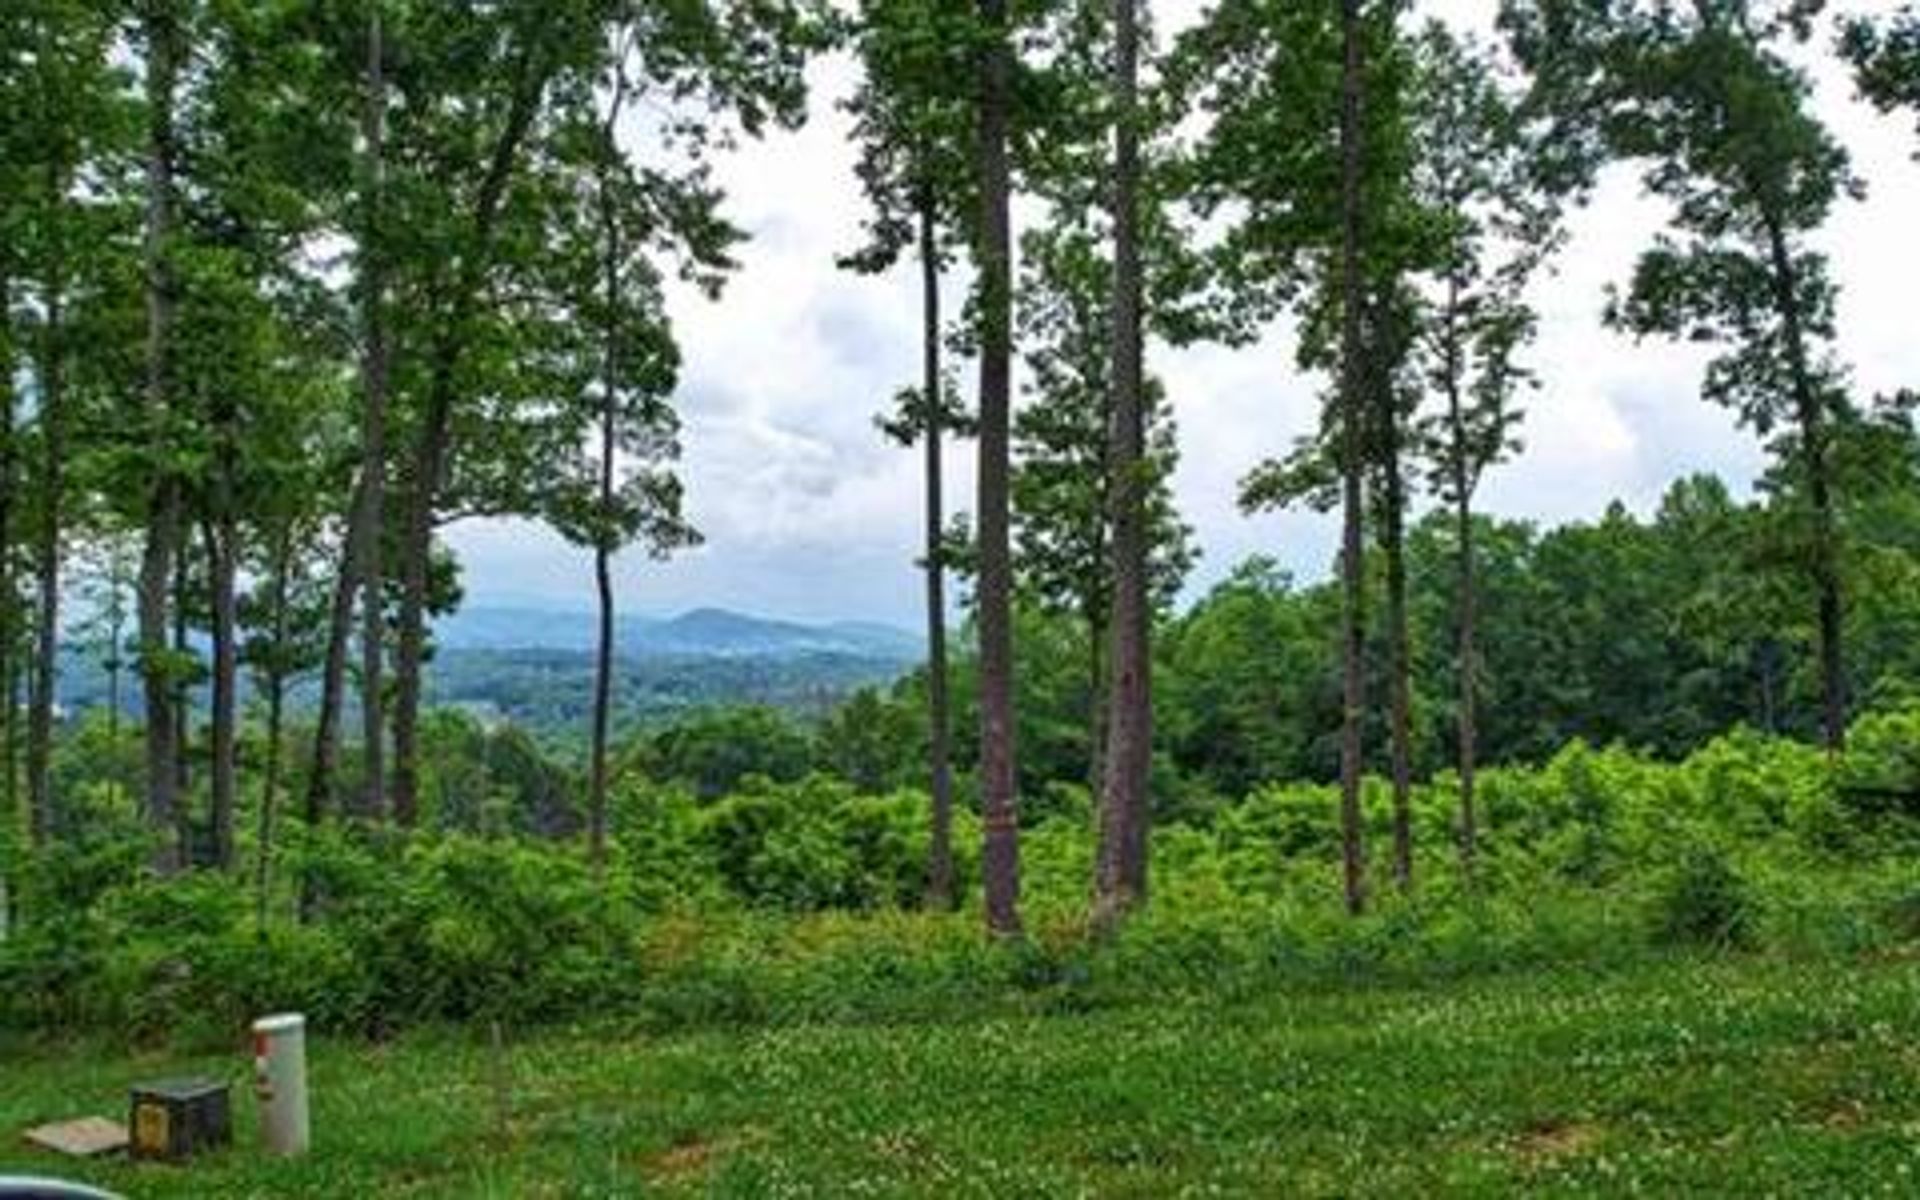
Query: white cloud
(809, 513)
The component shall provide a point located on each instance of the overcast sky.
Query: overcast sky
(810, 514)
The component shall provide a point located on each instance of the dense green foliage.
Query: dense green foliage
(1598, 855)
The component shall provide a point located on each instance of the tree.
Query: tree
(1885, 56)
(993, 598)
(369, 515)
(910, 117)
(1062, 479)
(1291, 156)
(487, 185)
(639, 367)
(1472, 165)
(1125, 805)
(13, 37)
(70, 123)
(1720, 120)
(163, 31)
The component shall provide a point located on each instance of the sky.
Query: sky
(810, 514)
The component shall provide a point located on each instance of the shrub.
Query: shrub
(1703, 901)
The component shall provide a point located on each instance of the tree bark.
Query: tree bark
(1811, 414)
(1000, 851)
(9, 598)
(603, 542)
(45, 823)
(1468, 654)
(276, 707)
(182, 692)
(1400, 700)
(333, 676)
(1125, 808)
(428, 466)
(220, 537)
(940, 883)
(371, 512)
(163, 507)
(1352, 419)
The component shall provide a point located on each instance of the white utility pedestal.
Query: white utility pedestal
(280, 1081)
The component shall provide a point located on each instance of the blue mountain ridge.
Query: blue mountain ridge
(697, 633)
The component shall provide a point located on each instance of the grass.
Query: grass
(1731, 1076)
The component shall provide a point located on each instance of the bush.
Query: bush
(1703, 901)
(785, 901)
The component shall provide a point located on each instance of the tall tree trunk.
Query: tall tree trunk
(333, 677)
(1811, 414)
(1352, 419)
(45, 821)
(9, 598)
(1400, 701)
(993, 596)
(276, 707)
(371, 513)
(163, 507)
(602, 666)
(1125, 809)
(223, 739)
(940, 883)
(431, 451)
(182, 692)
(417, 550)
(603, 541)
(1468, 665)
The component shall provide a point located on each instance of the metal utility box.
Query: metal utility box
(176, 1119)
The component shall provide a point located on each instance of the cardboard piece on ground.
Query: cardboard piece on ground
(85, 1137)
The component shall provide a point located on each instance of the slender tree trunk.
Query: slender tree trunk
(417, 550)
(1769, 719)
(603, 541)
(163, 507)
(1462, 472)
(333, 676)
(114, 689)
(1125, 807)
(223, 739)
(1401, 698)
(434, 446)
(9, 598)
(602, 670)
(182, 693)
(371, 513)
(276, 707)
(45, 821)
(1815, 466)
(1352, 419)
(940, 884)
(993, 597)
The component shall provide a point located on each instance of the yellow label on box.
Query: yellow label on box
(150, 1122)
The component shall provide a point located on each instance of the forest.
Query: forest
(290, 290)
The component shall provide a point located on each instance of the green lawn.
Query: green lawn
(1740, 1077)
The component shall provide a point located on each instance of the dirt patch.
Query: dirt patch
(1547, 1142)
(688, 1158)
(693, 1154)
(1845, 1114)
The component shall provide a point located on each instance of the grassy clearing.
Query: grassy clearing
(1741, 1076)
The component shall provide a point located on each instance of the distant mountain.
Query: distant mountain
(698, 633)
(534, 666)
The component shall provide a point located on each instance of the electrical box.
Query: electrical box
(177, 1119)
